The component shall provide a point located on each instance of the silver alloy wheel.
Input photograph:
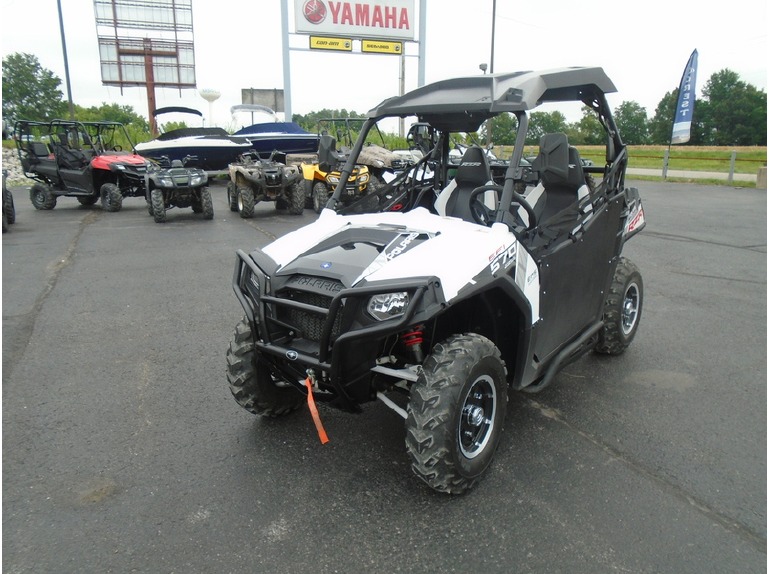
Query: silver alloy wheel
(631, 301)
(477, 417)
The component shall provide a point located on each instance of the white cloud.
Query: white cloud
(642, 46)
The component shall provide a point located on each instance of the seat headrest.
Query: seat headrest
(474, 167)
(552, 163)
(576, 177)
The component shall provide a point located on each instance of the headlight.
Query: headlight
(333, 179)
(166, 181)
(388, 305)
(196, 180)
(363, 178)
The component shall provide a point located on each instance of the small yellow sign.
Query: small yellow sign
(326, 43)
(382, 46)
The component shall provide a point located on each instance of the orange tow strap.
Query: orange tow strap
(314, 412)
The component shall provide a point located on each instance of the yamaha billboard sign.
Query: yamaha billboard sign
(387, 19)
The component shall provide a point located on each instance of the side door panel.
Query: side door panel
(574, 274)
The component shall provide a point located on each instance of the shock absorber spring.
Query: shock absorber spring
(412, 340)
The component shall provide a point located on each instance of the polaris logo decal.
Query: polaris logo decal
(317, 283)
(326, 265)
(402, 246)
(292, 355)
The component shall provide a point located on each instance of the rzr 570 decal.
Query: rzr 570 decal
(503, 258)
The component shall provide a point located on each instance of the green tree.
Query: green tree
(311, 120)
(733, 112)
(111, 113)
(502, 130)
(541, 123)
(661, 123)
(631, 119)
(30, 92)
(587, 131)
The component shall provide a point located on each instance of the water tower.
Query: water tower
(210, 96)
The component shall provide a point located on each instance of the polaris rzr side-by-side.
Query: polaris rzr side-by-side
(455, 290)
(171, 184)
(85, 160)
(254, 179)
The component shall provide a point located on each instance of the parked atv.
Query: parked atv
(84, 160)
(171, 184)
(254, 179)
(321, 178)
(468, 291)
(9, 211)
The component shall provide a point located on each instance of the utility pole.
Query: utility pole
(66, 62)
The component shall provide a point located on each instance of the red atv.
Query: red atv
(84, 160)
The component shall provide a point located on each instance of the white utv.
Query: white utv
(456, 290)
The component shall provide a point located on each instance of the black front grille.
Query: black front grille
(309, 324)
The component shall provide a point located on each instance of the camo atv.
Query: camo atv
(455, 290)
(254, 179)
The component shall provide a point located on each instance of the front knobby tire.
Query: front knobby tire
(296, 197)
(158, 206)
(456, 412)
(245, 201)
(232, 196)
(622, 309)
(320, 196)
(251, 383)
(9, 209)
(112, 199)
(207, 205)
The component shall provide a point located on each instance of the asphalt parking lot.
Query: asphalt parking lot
(123, 450)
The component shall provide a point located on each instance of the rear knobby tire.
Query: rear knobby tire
(251, 383)
(158, 206)
(112, 199)
(245, 201)
(41, 196)
(622, 309)
(456, 412)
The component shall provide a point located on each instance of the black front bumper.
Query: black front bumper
(344, 346)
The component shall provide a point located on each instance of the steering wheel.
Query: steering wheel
(117, 147)
(483, 215)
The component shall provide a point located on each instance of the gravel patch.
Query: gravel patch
(15, 173)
